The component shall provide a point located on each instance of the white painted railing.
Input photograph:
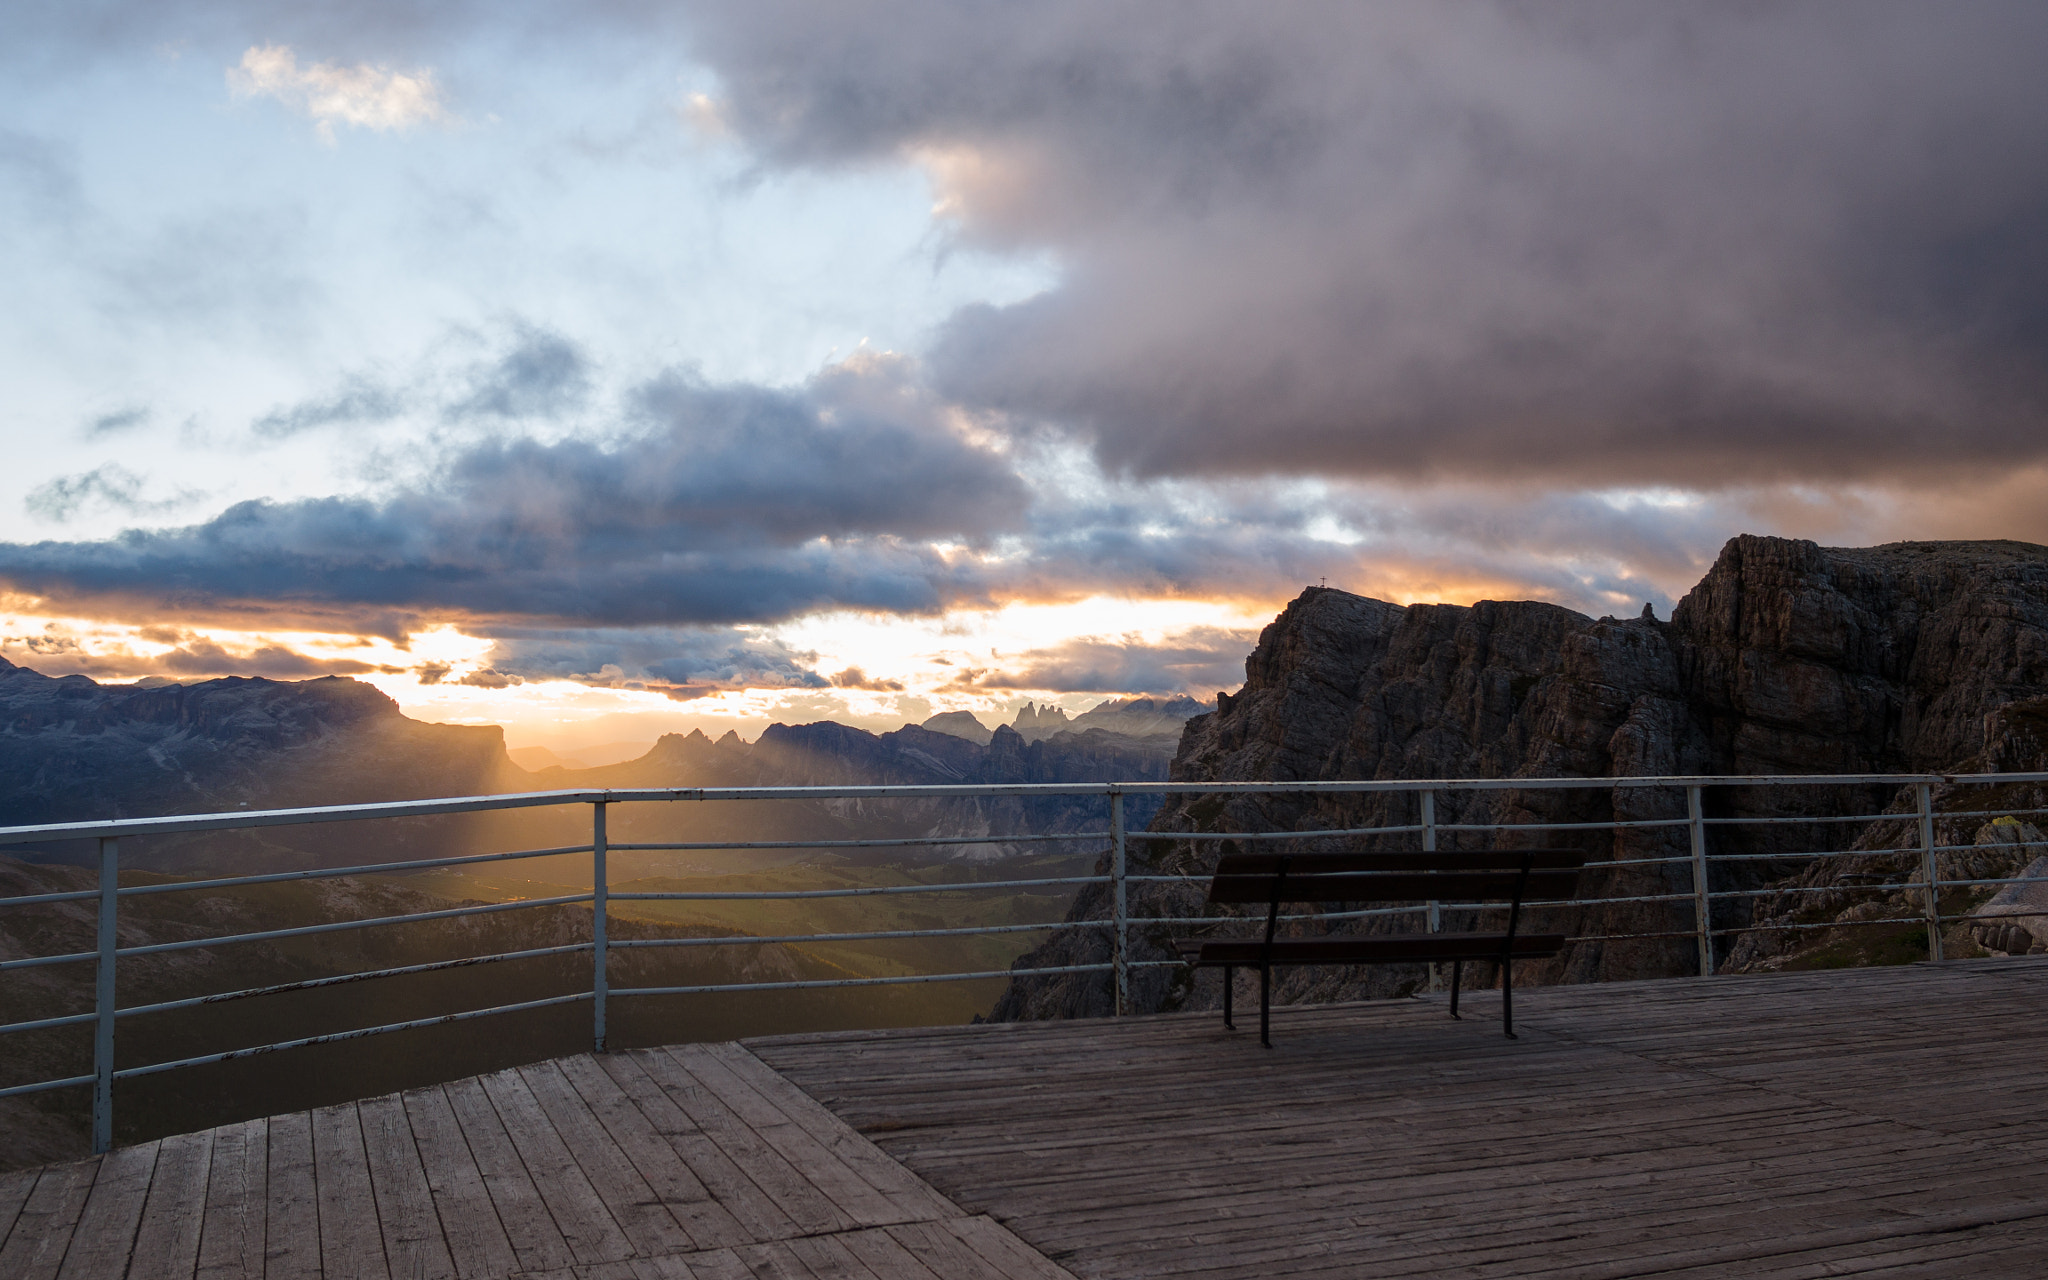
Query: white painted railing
(107, 953)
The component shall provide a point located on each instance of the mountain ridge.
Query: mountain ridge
(1787, 658)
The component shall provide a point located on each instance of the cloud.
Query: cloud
(542, 376)
(362, 96)
(358, 400)
(1198, 661)
(855, 678)
(117, 422)
(683, 662)
(1585, 242)
(109, 485)
(57, 652)
(716, 504)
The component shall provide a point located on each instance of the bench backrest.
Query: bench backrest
(1445, 875)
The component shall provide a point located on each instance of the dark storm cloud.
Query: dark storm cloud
(717, 504)
(1691, 244)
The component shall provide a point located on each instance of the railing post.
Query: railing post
(103, 1000)
(1702, 905)
(1116, 875)
(1930, 874)
(1436, 921)
(600, 979)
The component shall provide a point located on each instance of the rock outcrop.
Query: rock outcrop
(1787, 658)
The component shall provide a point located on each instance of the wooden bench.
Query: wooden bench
(1504, 877)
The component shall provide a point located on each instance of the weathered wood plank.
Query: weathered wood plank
(415, 1242)
(291, 1246)
(42, 1233)
(811, 1210)
(232, 1239)
(709, 1224)
(167, 1241)
(647, 1224)
(470, 1231)
(586, 1224)
(14, 1192)
(351, 1239)
(104, 1238)
(753, 1209)
(846, 1189)
(530, 1228)
(911, 1196)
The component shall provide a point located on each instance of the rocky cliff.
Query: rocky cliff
(1786, 658)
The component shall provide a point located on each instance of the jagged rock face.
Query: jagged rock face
(1798, 658)
(1787, 658)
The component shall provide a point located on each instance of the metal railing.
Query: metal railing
(1427, 830)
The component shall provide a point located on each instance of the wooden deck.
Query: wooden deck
(1868, 1122)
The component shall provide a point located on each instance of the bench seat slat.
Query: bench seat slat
(1368, 948)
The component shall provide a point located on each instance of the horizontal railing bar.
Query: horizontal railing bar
(1628, 824)
(339, 979)
(749, 939)
(808, 983)
(182, 824)
(878, 843)
(1824, 924)
(342, 925)
(129, 1073)
(31, 962)
(1199, 836)
(42, 1085)
(70, 895)
(371, 868)
(862, 892)
(68, 1020)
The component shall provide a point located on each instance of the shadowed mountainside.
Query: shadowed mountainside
(1786, 658)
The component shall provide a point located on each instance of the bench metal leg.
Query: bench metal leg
(1229, 981)
(1457, 973)
(1507, 998)
(1265, 998)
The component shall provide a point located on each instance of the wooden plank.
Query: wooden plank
(646, 1222)
(43, 1230)
(167, 1241)
(851, 1194)
(292, 1225)
(715, 1264)
(710, 1224)
(829, 1259)
(884, 1255)
(1001, 1249)
(753, 1209)
(475, 1240)
(810, 1210)
(529, 1227)
(912, 1196)
(351, 1239)
(14, 1192)
(944, 1251)
(232, 1239)
(104, 1239)
(588, 1227)
(415, 1244)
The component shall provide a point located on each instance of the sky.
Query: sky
(620, 368)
